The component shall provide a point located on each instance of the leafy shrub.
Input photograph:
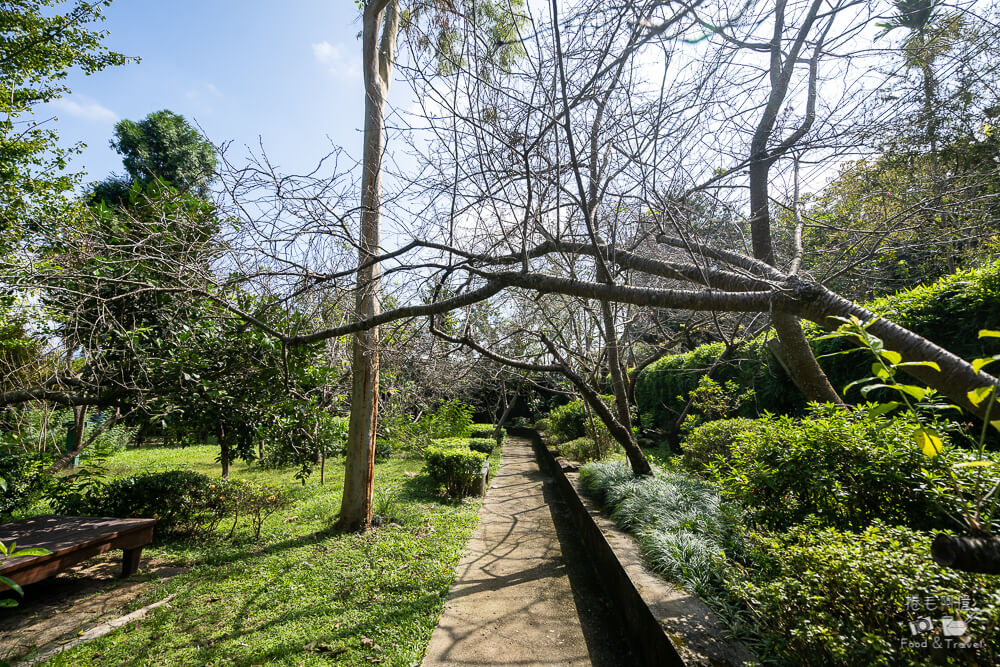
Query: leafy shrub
(948, 312)
(543, 425)
(452, 419)
(824, 597)
(455, 469)
(182, 501)
(253, 500)
(484, 445)
(682, 524)
(713, 440)
(486, 431)
(571, 421)
(588, 449)
(836, 465)
(24, 475)
(112, 441)
(713, 400)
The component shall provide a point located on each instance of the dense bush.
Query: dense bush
(486, 431)
(570, 421)
(453, 468)
(714, 439)
(23, 475)
(588, 449)
(182, 501)
(949, 312)
(543, 425)
(823, 597)
(683, 526)
(451, 419)
(835, 464)
(484, 445)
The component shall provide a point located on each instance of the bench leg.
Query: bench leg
(130, 561)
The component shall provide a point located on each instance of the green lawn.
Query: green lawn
(303, 595)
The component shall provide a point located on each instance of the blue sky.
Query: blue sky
(287, 72)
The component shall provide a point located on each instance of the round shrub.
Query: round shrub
(455, 469)
(543, 425)
(570, 421)
(713, 440)
(484, 445)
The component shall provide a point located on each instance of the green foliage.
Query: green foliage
(11, 551)
(253, 500)
(837, 466)
(183, 502)
(455, 469)
(571, 421)
(161, 147)
(948, 312)
(23, 474)
(824, 597)
(486, 431)
(543, 425)
(683, 526)
(712, 400)
(714, 440)
(43, 40)
(585, 449)
(452, 419)
(484, 445)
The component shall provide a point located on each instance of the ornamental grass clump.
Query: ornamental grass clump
(684, 528)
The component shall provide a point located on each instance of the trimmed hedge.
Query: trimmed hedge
(486, 431)
(483, 445)
(569, 421)
(455, 469)
(948, 312)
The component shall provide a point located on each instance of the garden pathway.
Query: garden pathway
(525, 593)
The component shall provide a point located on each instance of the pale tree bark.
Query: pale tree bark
(802, 364)
(380, 27)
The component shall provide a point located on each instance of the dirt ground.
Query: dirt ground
(61, 607)
(524, 593)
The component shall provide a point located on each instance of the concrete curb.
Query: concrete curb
(666, 625)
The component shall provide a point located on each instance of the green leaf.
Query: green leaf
(928, 364)
(930, 444)
(13, 584)
(975, 464)
(979, 364)
(977, 396)
(916, 392)
(881, 371)
(32, 551)
(988, 333)
(884, 408)
(891, 357)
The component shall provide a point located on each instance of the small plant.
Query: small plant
(254, 501)
(713, 400)
(543, 425)
(713, 442)
(455, 469)
(452, 419)
(386, 505)
(25, 476)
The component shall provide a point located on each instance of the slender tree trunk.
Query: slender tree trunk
(223, 452)
(359, 476)
(505, 415)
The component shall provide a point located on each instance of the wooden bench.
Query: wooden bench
(71, 539)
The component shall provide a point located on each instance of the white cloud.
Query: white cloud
(84, 107)
(336, 61)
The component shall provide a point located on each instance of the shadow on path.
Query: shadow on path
(525, 593)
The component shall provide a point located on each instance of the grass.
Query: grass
(302, 595)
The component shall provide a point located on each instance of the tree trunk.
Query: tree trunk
(802, 364)
(505, 415)
(359, 475)
(969, 554)
(223, 452)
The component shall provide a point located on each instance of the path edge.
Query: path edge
(664, 624)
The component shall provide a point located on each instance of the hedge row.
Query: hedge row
(948, 312)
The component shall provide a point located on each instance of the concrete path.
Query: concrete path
(524, 593)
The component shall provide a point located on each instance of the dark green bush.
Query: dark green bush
(23, 475)
(949, 312)
(486, 431)
(455, 469)
(824, 597)
(712, 440)
(835, 465)
(543, 425)
(182, 501)
(570, 421)
(484, 445)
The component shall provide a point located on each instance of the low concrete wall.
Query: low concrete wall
(666, 625)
